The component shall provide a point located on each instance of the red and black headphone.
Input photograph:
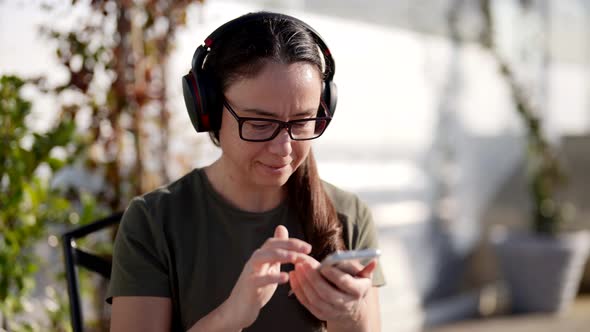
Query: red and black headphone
(203, 98)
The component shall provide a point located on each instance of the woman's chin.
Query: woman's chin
(271, 175)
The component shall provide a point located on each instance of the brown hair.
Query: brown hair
(242, 54)
(308, 197)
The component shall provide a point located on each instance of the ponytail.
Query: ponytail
(321, 226)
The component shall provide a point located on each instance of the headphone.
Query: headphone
(203, 98)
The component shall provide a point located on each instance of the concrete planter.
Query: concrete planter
(542, 273)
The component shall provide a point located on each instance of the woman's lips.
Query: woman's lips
(278, 166)
(275, 167)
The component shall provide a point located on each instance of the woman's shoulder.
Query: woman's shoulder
(164, 202)
(161, 210)
(177, 191)
(346, 203)
(355, 216)
(338, 194)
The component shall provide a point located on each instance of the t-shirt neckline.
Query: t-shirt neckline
(210, 190)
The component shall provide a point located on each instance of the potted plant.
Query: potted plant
(542, 267)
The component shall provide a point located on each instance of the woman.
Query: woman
(221, 248)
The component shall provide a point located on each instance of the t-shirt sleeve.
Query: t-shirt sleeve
(139, 261)
(367, 238)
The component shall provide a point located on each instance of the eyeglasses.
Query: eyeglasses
(262, 130)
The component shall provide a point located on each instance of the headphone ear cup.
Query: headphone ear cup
(330, 96)
(212, 102)
(193, 97)
(192, 100)
(201, 95)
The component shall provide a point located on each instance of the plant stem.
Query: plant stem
(545, 173)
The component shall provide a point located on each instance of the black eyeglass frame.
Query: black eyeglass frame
(282, 124)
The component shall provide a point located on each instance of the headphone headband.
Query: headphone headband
(259, 16)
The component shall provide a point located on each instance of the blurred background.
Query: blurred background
(460, 122)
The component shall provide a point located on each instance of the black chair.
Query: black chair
(74, 257)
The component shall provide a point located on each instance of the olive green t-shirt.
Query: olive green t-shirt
(186, 242)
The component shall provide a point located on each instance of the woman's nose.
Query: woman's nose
(281, 144)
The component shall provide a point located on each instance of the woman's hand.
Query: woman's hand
(333, 295)
(261, 276)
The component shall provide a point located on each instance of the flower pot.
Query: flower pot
(542, 273)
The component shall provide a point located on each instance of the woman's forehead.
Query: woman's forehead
(278, 85)
(303, 72)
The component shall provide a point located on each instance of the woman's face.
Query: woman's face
(280, 91)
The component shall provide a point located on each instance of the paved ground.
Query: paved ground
(577, 319)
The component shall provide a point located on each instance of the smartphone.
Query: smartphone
(346, 260)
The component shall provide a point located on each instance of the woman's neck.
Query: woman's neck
(243, 195)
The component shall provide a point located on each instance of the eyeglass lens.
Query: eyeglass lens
(299, 129)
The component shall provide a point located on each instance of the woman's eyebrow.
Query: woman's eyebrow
(308, 112)
(256, 111)
(259, 112)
